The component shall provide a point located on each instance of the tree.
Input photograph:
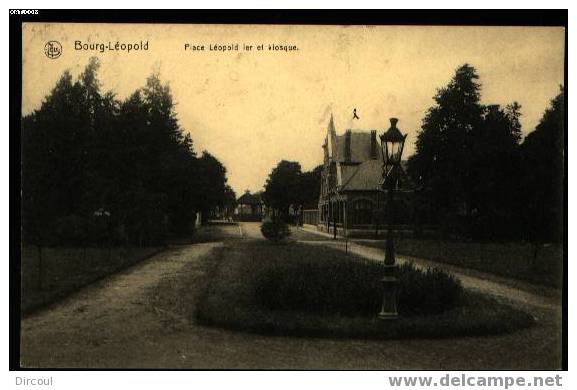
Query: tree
(495, 169)
(87, 154)
(282, 187)
(441, 162)
(57, 148)
(544, 176)
(169, 159)
(467, 160)
(309, 188)
(212, 190)
(228, 202)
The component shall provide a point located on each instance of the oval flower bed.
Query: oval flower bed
(308, 290)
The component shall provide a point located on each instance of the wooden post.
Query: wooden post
(345, 221)
(377, 214)
(328, 221)
(335, 220)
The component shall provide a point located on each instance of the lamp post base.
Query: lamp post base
(390, 287)
(388, 316)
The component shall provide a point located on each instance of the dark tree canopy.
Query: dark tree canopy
(212, 188)
(281, 188)
(467, 160)
(86, 155)
(288, 186)
(443, 145)
(309, 188)
(544, 174)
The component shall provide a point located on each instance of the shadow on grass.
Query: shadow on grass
(232, 298)
(510, 260)
(65, 270)
(213, 232)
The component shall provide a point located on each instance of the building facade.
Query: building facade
(352, 200)
(250, 207)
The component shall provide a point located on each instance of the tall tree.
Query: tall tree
(87, 155)
(282, 187)
(495, 168)
(467, 160)
(544, 175)
(309, 188)
(57, 140)
(212, 186)
(170, 158)
(441, 162)
(228, 201)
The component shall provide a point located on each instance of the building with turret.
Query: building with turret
(351, 196)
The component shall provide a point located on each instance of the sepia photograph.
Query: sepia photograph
(292, 196)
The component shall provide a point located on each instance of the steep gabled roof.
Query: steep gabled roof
(331, 140)
(360, 146)
(248, 198)
(360, 167)
(368, 176)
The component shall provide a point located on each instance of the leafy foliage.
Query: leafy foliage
(282, 186)
(275, 229)
(443, 146)
(427, 291)
(353, 288)
(232, 297)
(288, 186)
(544, 175)
(309, 188)
(474, 174)
(84, 150)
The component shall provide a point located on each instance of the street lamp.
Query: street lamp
(392, 144)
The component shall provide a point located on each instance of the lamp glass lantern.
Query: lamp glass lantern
(392, 144)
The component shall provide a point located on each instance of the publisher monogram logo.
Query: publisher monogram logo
(53, 49)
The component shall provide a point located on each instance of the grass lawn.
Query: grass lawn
(215, 232)
(306, 290)
(510, 260)
(303, 235)
(66, 269)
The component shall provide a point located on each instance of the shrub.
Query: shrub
(429, 291)
(316, 291)
(353, 288)
(275, 230)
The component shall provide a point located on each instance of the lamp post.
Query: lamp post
(392, 144)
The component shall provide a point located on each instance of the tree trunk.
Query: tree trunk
(534, 265)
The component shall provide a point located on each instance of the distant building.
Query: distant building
(250, 207)
(350, 195)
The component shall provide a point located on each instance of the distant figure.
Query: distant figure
(355, 116)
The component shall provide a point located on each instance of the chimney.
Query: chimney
(348, 146)
(374, 144)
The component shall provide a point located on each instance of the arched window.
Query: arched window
(362, 212)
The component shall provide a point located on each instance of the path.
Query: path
(115, 323)
(513, 291)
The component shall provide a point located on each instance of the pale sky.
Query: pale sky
(253, 108)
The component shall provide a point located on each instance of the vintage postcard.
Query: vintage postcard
(292, 196)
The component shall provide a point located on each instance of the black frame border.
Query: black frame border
(509, 17)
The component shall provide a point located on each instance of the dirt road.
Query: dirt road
(119, 323)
